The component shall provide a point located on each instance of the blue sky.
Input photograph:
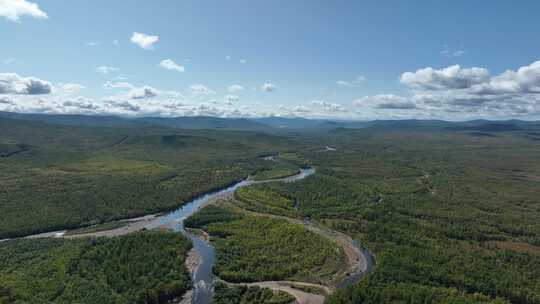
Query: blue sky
(337, 59)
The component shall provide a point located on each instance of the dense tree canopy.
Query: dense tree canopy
(67, 177)
(143, 267)
(255, 248)
(249, 295)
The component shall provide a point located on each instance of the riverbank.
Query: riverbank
(359, 261)
(203, 267)
(291, 287)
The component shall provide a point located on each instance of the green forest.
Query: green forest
(143, 267)
(224, 294)
(449, 216)
(256, 248)
(446, 220)
(68, 177)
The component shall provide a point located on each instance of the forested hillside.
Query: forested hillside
(56, 177)
(450, 217)
(144, 267)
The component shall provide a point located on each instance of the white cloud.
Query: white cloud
(80, 104)
(352, 83)
(229, 99)
(132, 92)
(301, 109)
(115, 42)
(143, 92)
(93, 43)
(70, 88)
(328, 107)
(14, 9)
(171, 65)
(144, 41)
(268, 87)
(452, 77)
(450, 93)
(463, 93)
(235, 88)
(315, 109)
(11, 83)
(4, 100)
(118, 85)
(134, 101)
(525, 80)
(228, 57)
(243, 61)
(121, 105)
(200, 89)
(106, 69)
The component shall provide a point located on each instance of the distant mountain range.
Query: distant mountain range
(278, 124)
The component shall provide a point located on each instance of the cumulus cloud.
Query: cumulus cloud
(300, 110)
(268, 87)
(452, 77)
(352, 83)
(200, 89)
(228, 57)
(462, 93)
(525, 80)
(118, 85)
(314, 109)
(130, 93)
(121, 105)
(242, 61)
(235, 88)
(229, 99)
(14, 9)
(171, 65)
(6, 101)
(133, 101)
(70, 88)
(328, 107)
(143, 92)
(103, 69)
(144, 41)
(11, 83)
(81, 104)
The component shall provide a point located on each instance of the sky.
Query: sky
(350, 60)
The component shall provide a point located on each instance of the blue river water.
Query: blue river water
(203, 278)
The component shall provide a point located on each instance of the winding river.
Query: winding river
(202, 277)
